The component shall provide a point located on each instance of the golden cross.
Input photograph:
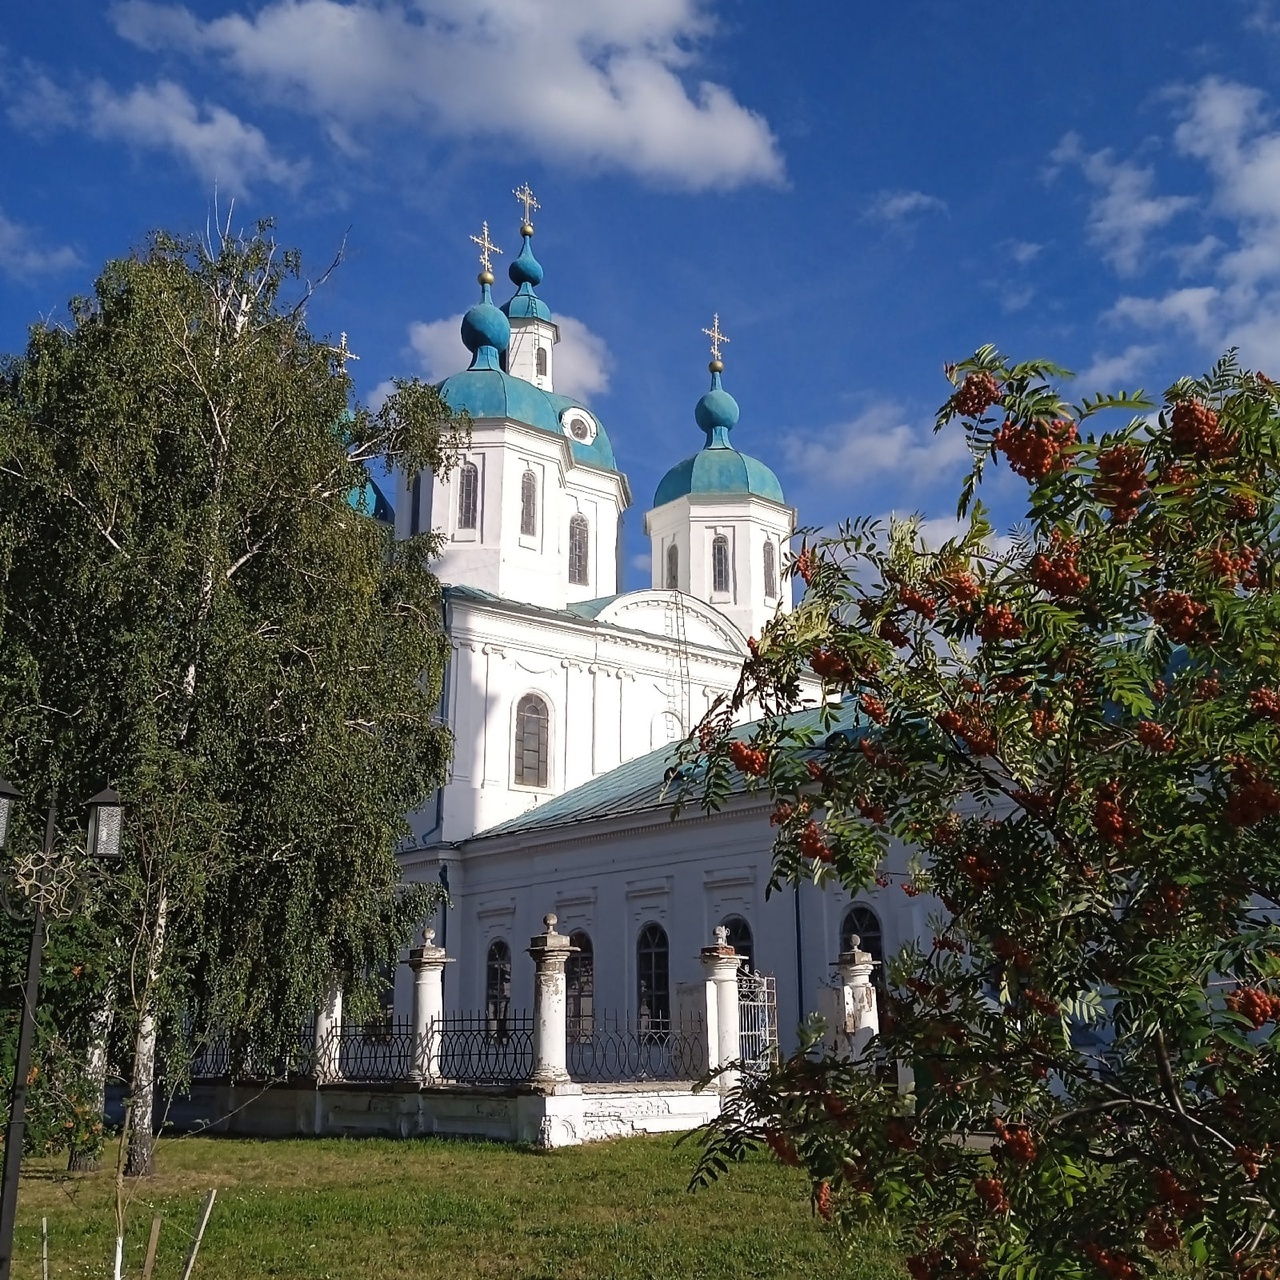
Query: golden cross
(526, 197)
(343, 353)
(486, 248)
(716, 336)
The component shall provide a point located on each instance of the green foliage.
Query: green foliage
(1079, 737)
(191, 607)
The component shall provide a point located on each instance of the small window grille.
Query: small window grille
(468, 495)
(720, 563)
(529, 504)
(673, 568)
(578, 537)
(770, 570)
(653, 986)
(532, 736)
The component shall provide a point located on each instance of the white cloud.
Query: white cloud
(1232, 298)
(1024, 251)
(213, 141)
(897, 207)
(1124, 212)
(878, 446)
(1106, 373)
(1016, 297)
(582, 359)
(642, 562)
(608, 83)
(23, 257)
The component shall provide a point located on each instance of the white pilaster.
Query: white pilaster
(427, 962)
(328, 1042)
(720, 963)
(550, 952)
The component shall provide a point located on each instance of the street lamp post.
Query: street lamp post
(43, 884)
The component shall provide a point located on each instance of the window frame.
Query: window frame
(673, 567)
(497, 995)
(653, 958)
(736, 921)
(720, 544)
(770, 570)
(529, 503)
(415, 505)
(519, 748)
(579, 550)
(871, 941)
(468, 476)
(541, 361)
(580, 995)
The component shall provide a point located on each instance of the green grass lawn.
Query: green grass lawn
(418, 1210)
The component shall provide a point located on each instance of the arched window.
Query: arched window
(497, 988)
(770, 569)
(673, 568)
(579, 532)
(533, 723)
(740, 939)
(580, 986)
(468, 495)
(542, 362)
(653, 979)
(415, 506)
(529, 504)
(719, 563)
(862, 923)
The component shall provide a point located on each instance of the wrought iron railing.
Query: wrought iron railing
(224, 1058)
(475, 1048)
(617, 1048)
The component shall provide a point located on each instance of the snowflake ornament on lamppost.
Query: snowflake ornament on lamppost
(50, 882)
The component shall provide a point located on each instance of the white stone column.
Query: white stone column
(860, 1018)
(328, 1055)
(720, 962)
(550, 952)
(427, 962)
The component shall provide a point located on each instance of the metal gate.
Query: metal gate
(757, 1021)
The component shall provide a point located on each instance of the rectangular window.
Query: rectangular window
(468, 495)
(529, 504)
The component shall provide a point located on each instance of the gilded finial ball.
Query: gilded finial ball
(716, 366)
(485, 277)
(526, 228)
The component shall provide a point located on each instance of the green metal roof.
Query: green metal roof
(640, 785)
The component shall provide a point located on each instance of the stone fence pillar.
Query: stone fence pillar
(550, 952)
(856, 1018)
(427, 962)
(328, 1043)
(720, 963)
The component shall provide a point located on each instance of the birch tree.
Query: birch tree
(191, 605)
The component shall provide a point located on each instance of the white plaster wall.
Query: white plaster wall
(746, 520)
(612, 877)
(495, 556)
(522, 359)
(613, 694)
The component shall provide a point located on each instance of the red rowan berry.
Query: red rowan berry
(1036, 449)
(749, 760)
(975, 395)
(873, 708)
(1197, 431)
(1121, 481)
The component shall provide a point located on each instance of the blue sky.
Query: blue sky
(862, 191)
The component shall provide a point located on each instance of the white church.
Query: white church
(567, 696)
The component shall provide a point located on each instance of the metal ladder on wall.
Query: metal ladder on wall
(678, 690)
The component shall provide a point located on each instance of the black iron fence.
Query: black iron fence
(475, 1048)
(229, 1058)
(612, 1048)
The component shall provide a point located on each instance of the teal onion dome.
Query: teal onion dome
(526, 274)
(485, 331)
(717, 414)
(525, 268)
(717, 468)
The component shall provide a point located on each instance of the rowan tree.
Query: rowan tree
(192, 607)
(1078, 737)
